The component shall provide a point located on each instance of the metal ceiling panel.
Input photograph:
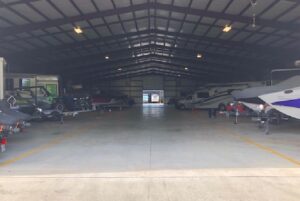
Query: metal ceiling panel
(104, 4)
(268, 40)
(254, 38)
(142, 24)
(261, 6)
(218, 6)
(86, 7)
(241, 36)
(214, 32)
(281, 42)
(161, 24)
(11, 17)
(139, 1)
(162, 13)
(52, 30)
(285, 33)
(227, 35)
(182, 3)
(22, 35)
(193, 18)
(96, 21)
(267, 30)
(66, 7)
(177, 15)
(116, 29)
(110, 19)
(51, 40)
(4, 24)
(175, 27)
(38, 32)
(187, 27)
(201, 30)
(207, 20)
(141, 13)
(200, 4)
(276, 10)
(237, 6)
(121, 3)
(26, 11)
(91, 34)
(129, 26)
(37, 42)
(291, 15)
(45, 8)
(103, 31)
(64, 38)
(126, 16)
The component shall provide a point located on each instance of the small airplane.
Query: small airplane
(259, 98)
(285, 101)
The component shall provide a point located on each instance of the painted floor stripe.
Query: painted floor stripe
(33, 151)
(270, 150)
(41, 148)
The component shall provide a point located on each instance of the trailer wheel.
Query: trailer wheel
(60, 107)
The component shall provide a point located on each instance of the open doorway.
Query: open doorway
(153, 97)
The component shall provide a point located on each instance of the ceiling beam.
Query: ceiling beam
(145, 6)
(176, 60)
(4, 5)
(151, 67)
(138, 74)
(208, 57)
(176, 67)
(256, 49)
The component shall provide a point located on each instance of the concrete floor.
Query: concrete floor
(152, 153)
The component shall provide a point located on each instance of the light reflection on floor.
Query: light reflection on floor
(153, 110)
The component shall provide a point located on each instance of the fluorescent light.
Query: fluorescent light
(227, 28)
(106, 57)
(199, 56)
(78, 30)
(186, 68)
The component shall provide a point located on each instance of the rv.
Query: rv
(187, 102)
(213, 95)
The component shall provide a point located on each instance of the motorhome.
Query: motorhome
(213, 95)
(188, 101)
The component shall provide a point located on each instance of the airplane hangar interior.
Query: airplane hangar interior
(163, 100)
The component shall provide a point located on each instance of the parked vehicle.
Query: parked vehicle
(215, 96)
(102, 100)
(187, 102)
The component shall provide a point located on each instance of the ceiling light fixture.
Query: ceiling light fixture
(106, 57)
(78, 30)
(119, 69)
(227, 28)
(186, 68)
(199, 56)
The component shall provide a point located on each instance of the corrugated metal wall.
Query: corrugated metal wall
(134, 87)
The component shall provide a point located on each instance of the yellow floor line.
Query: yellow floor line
(270, 150)
(41, 148)
(264, 148)
(33, 151)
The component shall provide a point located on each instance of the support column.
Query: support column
(2, 77)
